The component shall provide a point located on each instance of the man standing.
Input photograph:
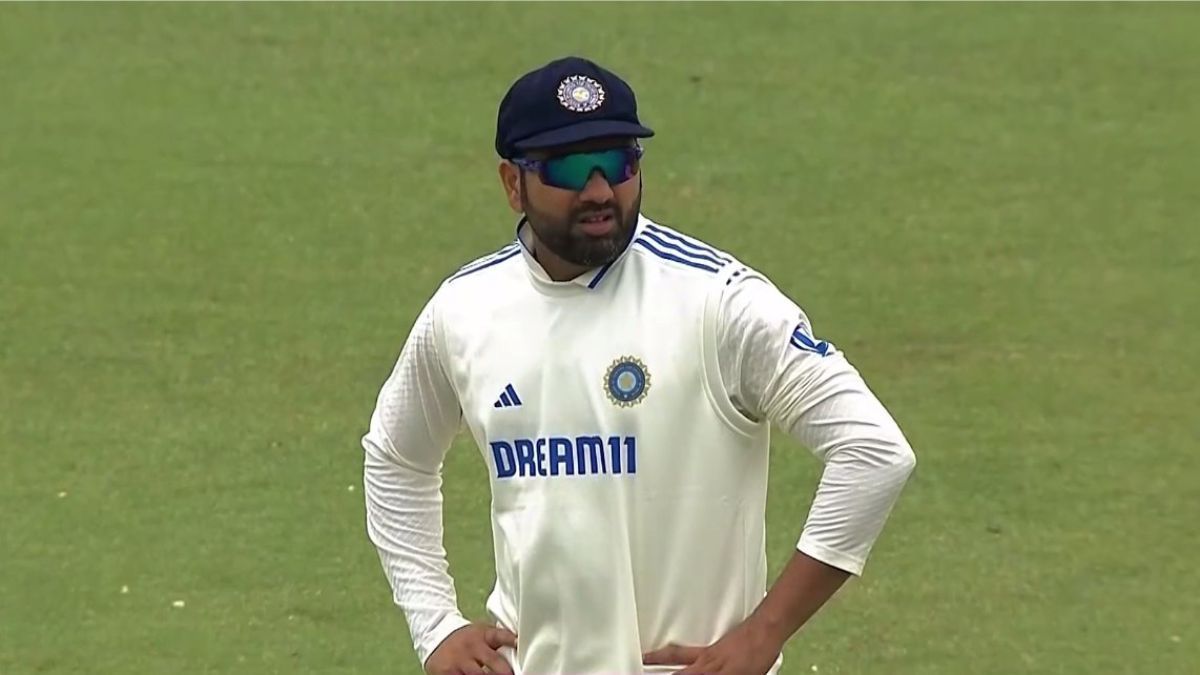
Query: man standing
(619, 379)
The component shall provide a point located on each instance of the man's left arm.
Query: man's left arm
(774, 368)
(823, 402)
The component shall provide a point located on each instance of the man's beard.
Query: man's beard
(562, 236)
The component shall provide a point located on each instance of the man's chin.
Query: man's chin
(604, 251)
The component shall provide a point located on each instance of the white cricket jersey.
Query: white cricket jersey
(623, 419)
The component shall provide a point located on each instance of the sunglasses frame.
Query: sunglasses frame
(539, 167)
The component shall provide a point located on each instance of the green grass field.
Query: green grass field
(217, 223)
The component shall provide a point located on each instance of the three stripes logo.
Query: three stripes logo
(508, 398)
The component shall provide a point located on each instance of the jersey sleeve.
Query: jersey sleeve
(774, 368)
(415, 418)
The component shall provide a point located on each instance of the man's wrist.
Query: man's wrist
(448, 624)
(771, 629)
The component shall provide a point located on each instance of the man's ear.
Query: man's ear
(510, 180)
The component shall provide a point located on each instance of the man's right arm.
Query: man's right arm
(416, 416)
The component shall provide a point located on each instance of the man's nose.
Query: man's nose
(597, 189)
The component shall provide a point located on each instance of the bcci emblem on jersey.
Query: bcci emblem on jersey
(627, 381)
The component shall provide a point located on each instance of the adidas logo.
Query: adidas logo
(508, 398)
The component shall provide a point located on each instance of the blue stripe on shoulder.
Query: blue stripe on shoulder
(690, 262)
(680, 250)
(504, 254)
(512, 245)
(693, 244)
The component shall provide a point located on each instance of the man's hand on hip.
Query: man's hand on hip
(745, 650)
(468, 650)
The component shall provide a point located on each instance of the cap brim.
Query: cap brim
(583, 131)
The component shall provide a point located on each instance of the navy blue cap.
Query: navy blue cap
(565, 101)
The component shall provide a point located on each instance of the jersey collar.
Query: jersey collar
(589, 279)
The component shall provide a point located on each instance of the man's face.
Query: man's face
(590, 227)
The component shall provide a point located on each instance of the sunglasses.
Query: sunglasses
(573, 171)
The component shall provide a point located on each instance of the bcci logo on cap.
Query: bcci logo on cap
(580, 94)
(627, 381)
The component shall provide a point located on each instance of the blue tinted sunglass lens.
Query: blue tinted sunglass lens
(573, 171)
